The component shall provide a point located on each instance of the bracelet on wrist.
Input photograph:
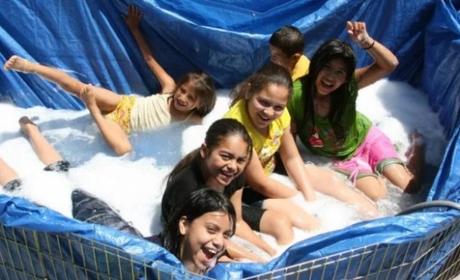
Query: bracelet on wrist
(370, 46)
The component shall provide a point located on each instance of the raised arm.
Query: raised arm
(384, 60)
(294, 165)
(263, 184)
(132, 19)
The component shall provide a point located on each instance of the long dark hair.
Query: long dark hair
(270, 73)
(343, 99)
(204, 90)
(219, 130)
(200, 202)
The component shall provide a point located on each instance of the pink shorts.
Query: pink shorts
(374, 154)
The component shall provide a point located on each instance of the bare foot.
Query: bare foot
(18, 63)
(27, 125)
(87, 95)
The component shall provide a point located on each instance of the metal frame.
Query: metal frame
(436, 256)
(31, 254)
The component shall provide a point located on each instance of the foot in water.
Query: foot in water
(18, 63)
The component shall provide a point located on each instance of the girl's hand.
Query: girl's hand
(358, 33)
(133, 17)
(309, 194)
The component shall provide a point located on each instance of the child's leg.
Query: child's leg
(90, 209)
(297, 216)
(326, 182)
(7, 174)
(277, 225)
(106, 99)
(373, 187)
(244, 231)
(113, 134)
(239, 253)
(408, 178)
(44, 150)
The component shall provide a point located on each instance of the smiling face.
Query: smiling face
(267, 105)
(331, 77)
(204, 240)
(185, 98)
(225, 162)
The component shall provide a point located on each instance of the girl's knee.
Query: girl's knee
(309, 222)
(123, 149)
(281, 228)
(377, 194)
(303, 220)
(373, 187)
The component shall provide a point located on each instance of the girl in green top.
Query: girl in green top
(323, 110)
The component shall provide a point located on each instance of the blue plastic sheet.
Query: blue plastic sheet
(228, 39)
(18, 212)
(441, 75)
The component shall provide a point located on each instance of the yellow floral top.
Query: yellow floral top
(138, 113)
(265, 145)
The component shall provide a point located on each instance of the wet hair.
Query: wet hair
(288, 39)
(200, 202)
(270, 73)
(343, 97)
(218, 131)
(204, 90)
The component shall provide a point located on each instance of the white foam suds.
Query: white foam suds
(134, 184)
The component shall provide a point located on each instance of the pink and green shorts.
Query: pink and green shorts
(371, 157)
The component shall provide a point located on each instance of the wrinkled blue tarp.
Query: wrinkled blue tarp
(228, 39)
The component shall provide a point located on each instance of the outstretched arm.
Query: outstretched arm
(263, 184)
(132, 20)
(294, 165)
(384, 60)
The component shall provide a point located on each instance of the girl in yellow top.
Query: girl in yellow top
(191, 98)
(260, 105)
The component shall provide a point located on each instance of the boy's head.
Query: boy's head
(286, 46)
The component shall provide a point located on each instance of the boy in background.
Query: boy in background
(286, 49)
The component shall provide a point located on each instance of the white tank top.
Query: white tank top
(149, 113)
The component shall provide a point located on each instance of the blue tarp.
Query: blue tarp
(228, 39)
